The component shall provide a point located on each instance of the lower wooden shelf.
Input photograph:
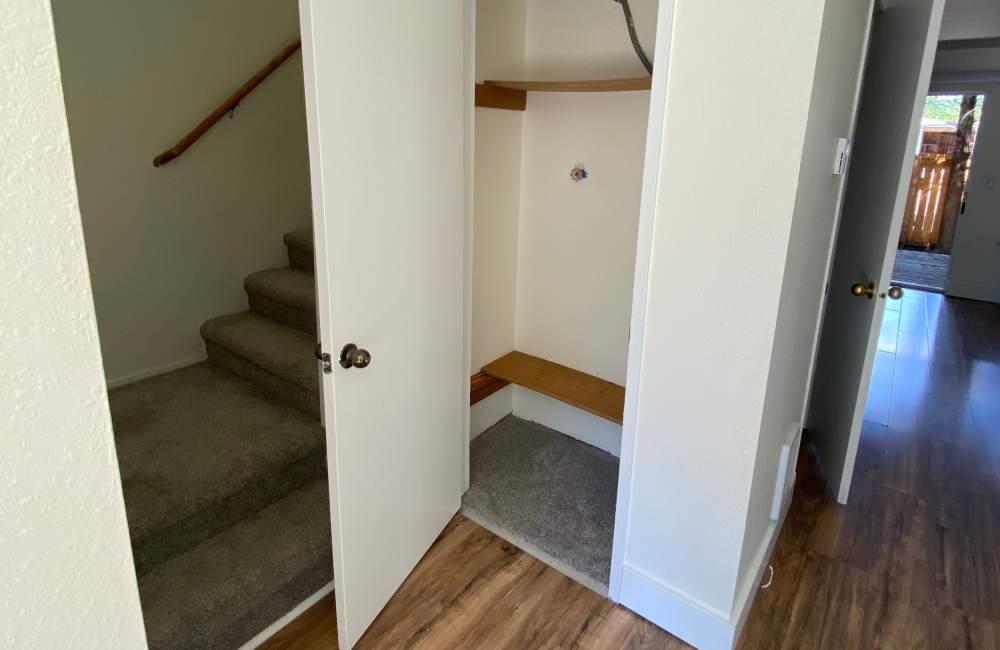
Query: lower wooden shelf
(587, 392)
(482, 386)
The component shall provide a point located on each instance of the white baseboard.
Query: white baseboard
(117, 382)
(567, 419)
(675, 612)
(273, 628)
(688, 619)
(487, 412)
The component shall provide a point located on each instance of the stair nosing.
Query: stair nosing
(256, 360)
(251, 287)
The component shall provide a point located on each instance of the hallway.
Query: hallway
(914, 560)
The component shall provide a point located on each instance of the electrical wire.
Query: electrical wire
(630, 23)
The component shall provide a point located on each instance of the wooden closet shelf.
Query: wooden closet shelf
(482, 386)
(497, 97)
(513, 95)
(580, 86)
(576, 388)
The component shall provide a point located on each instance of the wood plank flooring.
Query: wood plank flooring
(912, 562)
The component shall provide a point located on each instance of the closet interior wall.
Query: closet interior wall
(553, 259)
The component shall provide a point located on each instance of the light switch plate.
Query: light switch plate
(784, 481)
(843, 154)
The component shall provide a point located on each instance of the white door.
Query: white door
(386, 98)
(901, 55)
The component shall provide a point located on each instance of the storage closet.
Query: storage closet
(562, 103)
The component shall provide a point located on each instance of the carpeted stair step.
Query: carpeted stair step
(226, 590)
(300, 248)
(200, 449)
(287, 295)
(276, 357)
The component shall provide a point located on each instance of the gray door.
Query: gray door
(901, 55)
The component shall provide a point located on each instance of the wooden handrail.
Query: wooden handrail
(227, 105)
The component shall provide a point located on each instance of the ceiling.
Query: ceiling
(971, 19)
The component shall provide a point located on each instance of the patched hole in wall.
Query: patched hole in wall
(579, 174)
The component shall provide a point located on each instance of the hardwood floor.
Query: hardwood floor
(912, 562)
(474, 590)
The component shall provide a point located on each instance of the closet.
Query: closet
(562, 104)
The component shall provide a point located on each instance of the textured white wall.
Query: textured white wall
(169, 247)
(67, 574)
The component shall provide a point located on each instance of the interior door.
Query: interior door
(901, 55)
(386, 98)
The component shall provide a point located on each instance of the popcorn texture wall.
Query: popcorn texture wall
(67, 569)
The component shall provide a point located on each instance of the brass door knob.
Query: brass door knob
(351, 356)
(860, 289)
(895, 292)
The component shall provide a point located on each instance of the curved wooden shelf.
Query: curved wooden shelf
(583, 86)
(513, 95)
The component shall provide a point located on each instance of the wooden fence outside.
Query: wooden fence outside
(926, 199)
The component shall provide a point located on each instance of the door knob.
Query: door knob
(860, 289)
(351, 356)
(895, 293)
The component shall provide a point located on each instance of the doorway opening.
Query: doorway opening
(201, 263)
(937, 190)
(549, 324)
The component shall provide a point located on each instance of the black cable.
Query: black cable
(635, 38)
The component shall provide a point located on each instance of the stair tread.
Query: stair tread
(197, 436)
(288, 286)
(300, 239)
(283, 351)
(227, 589)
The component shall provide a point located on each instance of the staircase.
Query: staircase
(224, 470)
(273, 343)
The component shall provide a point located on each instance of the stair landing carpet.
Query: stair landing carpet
(226, 494)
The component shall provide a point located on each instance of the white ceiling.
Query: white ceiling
(971, 19)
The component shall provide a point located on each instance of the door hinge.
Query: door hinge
(324, 359)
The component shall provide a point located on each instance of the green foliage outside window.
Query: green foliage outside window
(947, 107)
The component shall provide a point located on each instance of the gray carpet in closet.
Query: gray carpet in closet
(548, 493)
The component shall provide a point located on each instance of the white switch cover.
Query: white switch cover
(843, 153)
(784, 482)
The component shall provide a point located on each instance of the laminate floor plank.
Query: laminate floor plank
(912, 561)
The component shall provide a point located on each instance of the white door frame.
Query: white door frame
(655, 153)
(470, 218)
